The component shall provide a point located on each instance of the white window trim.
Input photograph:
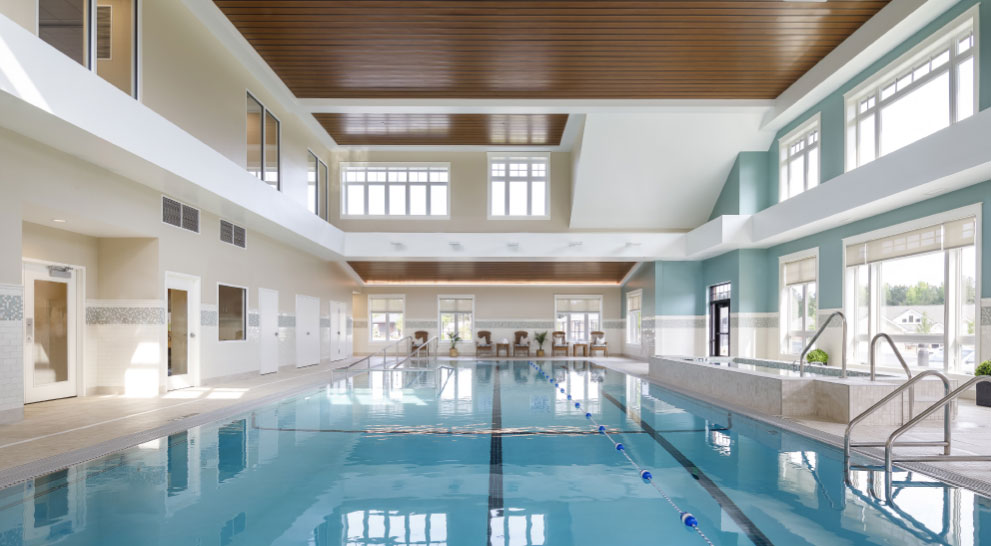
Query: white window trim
(547, 187)
(585, 296)
(322, 211)
(783, 331)
(852, 98)
(919, 223)
(343, 166)
(247, 295)
(638, 292)
(368, 303)
(440, 332)
(278, 169)
(814, 123)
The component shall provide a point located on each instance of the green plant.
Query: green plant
(817, 355)
(540, 337)
(455, 338)
(984, 368)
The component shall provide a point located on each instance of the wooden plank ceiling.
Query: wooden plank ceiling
(362, 129)
(731, 49)
(492, 272)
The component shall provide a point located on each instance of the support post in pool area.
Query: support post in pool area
(825, 324)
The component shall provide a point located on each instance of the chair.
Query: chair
(598, 343)
(559, 343)
(420, 338)
(521, 341)
(484, 343)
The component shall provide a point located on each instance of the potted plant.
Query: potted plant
(455, 338)
(984, 388)
(818, 356)
(540, 337)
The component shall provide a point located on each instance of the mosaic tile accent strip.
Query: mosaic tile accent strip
(125, 315)
(515, 324)
(208, 317)
(325, 322)
(359, 323)
(680, 322)
(421, 324)
(646, 323)
(287, 321)
(754, 321)
(11, 307)
(615, 324)
(254, 320)
(985, 316)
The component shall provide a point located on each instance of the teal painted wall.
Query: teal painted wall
(728, 202)
(831, 108)
(678, 287)
(717, 270)
(745, 189)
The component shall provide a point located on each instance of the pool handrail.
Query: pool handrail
(808, 347)
(383, 350)
(873, 362)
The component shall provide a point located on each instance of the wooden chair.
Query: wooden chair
(598, 343)
(559, 343)
(484, 342)
(420, 338)
(521, 341)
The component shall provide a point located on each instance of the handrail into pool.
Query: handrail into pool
(384, 351)
(848, 444)
(435, 340)
(942, 403)
(805, 351)
(873, 361)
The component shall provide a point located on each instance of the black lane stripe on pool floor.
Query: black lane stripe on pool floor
(495, 454)
(753, 533)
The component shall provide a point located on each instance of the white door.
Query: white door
(307, 331)
(268, 324)
(49, 332)
(338, 335)
(183, 316)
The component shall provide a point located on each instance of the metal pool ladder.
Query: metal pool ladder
(891, 442)
(805, 351)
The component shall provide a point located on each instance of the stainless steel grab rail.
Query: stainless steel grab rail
(889, 458)
(873, 359)
(805, 351)
(384, 351)
(435, 340)
(848, 444)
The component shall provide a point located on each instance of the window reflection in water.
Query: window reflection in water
(515, 526)
(231, 448)
(363, 527)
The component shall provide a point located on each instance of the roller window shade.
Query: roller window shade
(800, 271)
(451, 305)
(382, 305)
(952, 234)
(633, 302)
(571, 304)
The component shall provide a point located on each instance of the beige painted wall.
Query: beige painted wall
(469, 195)
(518, 306)
(61, 246)
(22, 12)
(189, 77)
(128, 269)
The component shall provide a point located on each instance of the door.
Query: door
(49, 332)
(307, 331)
(183, 296)
(719, 328)
(268, 324)
(338, 334)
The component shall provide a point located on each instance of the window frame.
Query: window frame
(343, 169)
(402, 331)
(948, 35)
(639, 330)
(262, 157)
(244, 315)
(567, 325)
(792, 138)
(320, 197)
(874, 309)
(784, 299)
(529, 156)
(440, 314)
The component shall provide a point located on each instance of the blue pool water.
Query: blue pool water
(481, 453)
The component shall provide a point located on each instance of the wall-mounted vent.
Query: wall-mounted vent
(182, 216)
(233, 234)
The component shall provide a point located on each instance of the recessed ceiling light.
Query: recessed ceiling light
(59, 220)
(455, 245)
(514, 246)
(575, 243)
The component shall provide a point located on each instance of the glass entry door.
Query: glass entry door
(183, 294)
(49, 332)
(719, 319)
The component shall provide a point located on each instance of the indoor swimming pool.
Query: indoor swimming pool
(470, 453)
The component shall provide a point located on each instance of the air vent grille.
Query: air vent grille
(171, 212)
(182, 216)
(233, 234)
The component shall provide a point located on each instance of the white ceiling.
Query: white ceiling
(662, 170)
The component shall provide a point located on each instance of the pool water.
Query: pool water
(473, 453)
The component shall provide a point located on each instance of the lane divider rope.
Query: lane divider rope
(686, 517)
